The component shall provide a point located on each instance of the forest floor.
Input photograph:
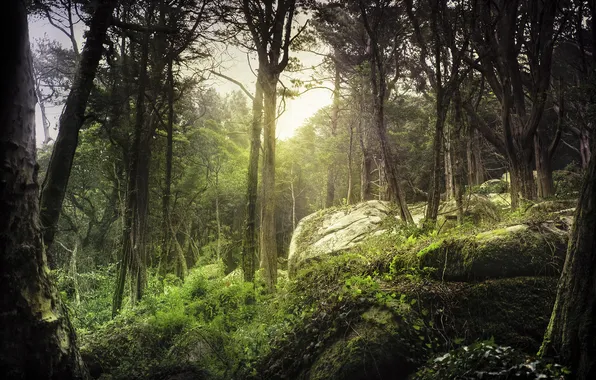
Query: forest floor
(378, 311)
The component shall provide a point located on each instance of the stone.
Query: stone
(335, 230)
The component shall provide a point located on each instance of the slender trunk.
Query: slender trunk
(249, 243)
(571, 333)
(334, 120)
(73, 273)
(168, 175)
(544, 173)
(364, 135)
(133, 241)
(379, 90)
(293, 192)
(477, 152)
(217, 216)
(584, 147)
(449, 185)
(71, 120)
(44, 117)
(434, 195)
(350, 180)
(268, 236)
(37, 340)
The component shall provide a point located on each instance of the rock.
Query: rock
(372, 349)
(493, 186)
(335, 230)
(518, 250)
(477, 209)
(550, 207)
(390, 341)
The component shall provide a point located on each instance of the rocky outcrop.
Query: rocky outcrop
(335, 230)
(518, 250)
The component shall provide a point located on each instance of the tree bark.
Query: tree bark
(249, 243)
(571, 333)
(71, 121)
(268, 235)
(37, 340)
(334, 120)
(133, 238)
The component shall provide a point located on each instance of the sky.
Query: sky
(235, 65)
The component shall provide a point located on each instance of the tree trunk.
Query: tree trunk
(571, 333)
(268, 236)
(379, 90)
(44, 117)
(71, 120)
(544, 172)
(166, 223)
(217, 216)
(584, 147)
(135, 209)
(249, 243)
(448, 159)
(350, 179)
(434, 195)
(334, 120)
(37, 340)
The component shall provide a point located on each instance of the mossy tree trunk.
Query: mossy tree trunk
(571, 333)
(37, 340)
(249, 243)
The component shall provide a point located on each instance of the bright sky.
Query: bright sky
(235, 66)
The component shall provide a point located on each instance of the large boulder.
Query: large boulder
(354, 340)
(334, 230)
(519, 250)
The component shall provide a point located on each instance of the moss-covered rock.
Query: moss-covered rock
(512, 311)
(371, 349)
(477, 209)
(519, 250)
(389, 331)
(338, 229)
(547, 208)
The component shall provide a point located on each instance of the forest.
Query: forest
(298, 189)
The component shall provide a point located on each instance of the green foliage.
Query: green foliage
(486, 360)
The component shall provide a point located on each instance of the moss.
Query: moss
(507, 252)
(372, 349)
(513, 311)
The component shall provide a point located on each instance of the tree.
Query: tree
(571, 333)
(514, 43)
(270, 26)
(36, 338)
(383, 37)
(71, 120)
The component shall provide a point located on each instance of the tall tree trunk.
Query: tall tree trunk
(71, 120)
(37, 340)
(448, 159)
(44, 117)
(391, 171)
(571, 333)
(350, 175)
(249, 242)
(217, 216)
(584, 148)
(434, 195)
(168, 175)
(544, 172)
(477, 152)
(268, 235)
(133, 239)
(334, 120)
